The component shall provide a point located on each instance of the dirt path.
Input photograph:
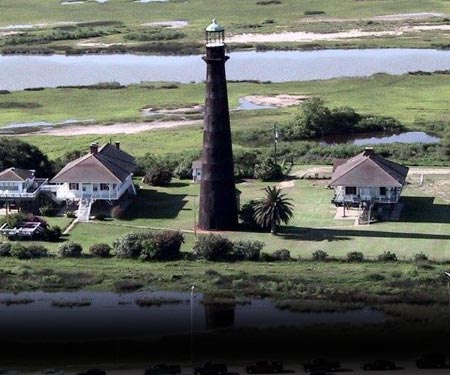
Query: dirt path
(119, 128)
(278, 101)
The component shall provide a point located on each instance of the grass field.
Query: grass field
(423, 227)
(412, 99)
(238, 16)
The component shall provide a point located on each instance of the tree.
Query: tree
(267, 170)
(275, 208)
(19, 154)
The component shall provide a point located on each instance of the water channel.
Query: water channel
(34, 315)
(19, 72)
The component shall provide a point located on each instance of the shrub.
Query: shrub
(267, 170)
(100, 216)
(320, 256)
(53, 234)
(70, 250)
(101, 250)
(71, 214)
(247, 214)
(355, 256)
(5, 249)
(313, 12)
(420, 257)
(247, 250)
(131, 245)
(387, 256)
(158, 177)
(118, 212)
(282, 255)
(162, 246)
(48, 210)
(13, 220)
(213, 247)
(375, 277)
(184, 170)
(28, 252)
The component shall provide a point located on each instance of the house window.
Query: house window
(382, 191)
(95, 188)
(74, 186)
(350, 190)
(104, 187)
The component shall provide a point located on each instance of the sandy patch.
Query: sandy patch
(303, 36)
(195, 109)
(169, 24)
(425, 171)
(278, 101)
(7, 33)
(35, 25)
(286, 184)
(406, 16)
(97, 44)
(119, 128)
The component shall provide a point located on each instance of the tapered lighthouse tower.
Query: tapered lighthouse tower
(218, 205)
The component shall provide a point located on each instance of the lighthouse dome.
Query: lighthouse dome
(214, 27)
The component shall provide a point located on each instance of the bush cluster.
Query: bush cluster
(387, 256)
(101, 250)
(215, 248)
(70, 250)
(320, 256)
(158, 177)
(149, 245)
(20, 251)
(355, 256)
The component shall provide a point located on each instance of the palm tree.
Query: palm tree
(275, 208)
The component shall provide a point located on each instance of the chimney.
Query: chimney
(94, 148)
(368, 151)
(117, 145)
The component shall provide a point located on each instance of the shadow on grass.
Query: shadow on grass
(313, 234)
(424, 210)
(151, 204)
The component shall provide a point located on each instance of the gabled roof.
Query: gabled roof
(16, 174)
(369, 169)
(197, 164)
(108, 165)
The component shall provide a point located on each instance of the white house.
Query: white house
(19, 184)
(368, 178)
(105, 173)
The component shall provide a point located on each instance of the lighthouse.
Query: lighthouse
(218, 203)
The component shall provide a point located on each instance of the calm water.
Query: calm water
(19, 72)
(113, 315)
(382, 138)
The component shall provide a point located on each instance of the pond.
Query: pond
(363, 139)
(35, 315)
(19, 72)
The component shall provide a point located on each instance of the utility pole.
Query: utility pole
(275, 141)
(191, 336)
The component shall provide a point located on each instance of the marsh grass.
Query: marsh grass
(71, 304)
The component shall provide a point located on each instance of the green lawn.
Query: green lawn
(410, 99)
(424, 226)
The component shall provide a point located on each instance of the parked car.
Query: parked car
(321, 364)
(93, 371)
(431, 360)
(211, 369)
(163, 369)
(378, 365)
(264, 367)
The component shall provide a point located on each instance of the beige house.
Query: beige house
(367, 178)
